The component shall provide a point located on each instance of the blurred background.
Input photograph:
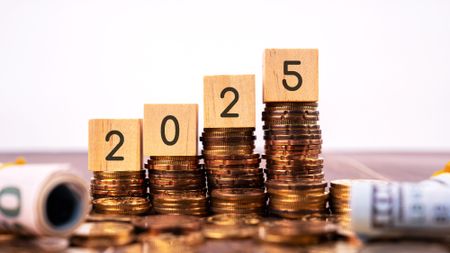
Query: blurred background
(384, 66)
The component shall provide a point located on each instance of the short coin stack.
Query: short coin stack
(120, 192)
(238, 201)
(292, 148)
(177, 185)
(340, 200)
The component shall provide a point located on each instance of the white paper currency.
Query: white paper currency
(402, 209)
(42, 199)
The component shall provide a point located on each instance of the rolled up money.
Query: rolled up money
(391, 209)
(41, 199)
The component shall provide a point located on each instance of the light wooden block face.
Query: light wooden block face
(115, 145)
(170, 129)
(290, 75)
(229, 101)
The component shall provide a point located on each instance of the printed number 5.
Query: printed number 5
(292, 73)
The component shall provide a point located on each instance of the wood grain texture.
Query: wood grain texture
(99, 148)
(273, 75)
(243, 111)
(187, 117)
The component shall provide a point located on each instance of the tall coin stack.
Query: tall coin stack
(120, 192)
(177, 185)
(293, 141)
(230, 163)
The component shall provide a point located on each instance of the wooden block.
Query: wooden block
(115, 145)
(170, 129)
(290, 75)
(229, 101)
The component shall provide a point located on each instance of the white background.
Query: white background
(384, 65)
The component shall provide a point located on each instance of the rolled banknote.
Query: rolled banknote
(391, 209)
(41, 199)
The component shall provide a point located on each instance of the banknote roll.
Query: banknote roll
(42, 199)
(397, 209)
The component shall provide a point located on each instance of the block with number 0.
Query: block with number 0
(115, 145)
(229, 101)
(170, 129)
(290, 75)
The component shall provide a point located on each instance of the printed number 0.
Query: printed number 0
(292, 73)
(163, 130)
(226, 113)
(110, 156)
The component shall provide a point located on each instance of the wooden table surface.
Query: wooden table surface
(412, 166)
(398, 166)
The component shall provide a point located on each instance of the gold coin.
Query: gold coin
(157, 224)
(295, 232)
(234, 219)
(102, 234)
(238, 193)
(229, 231)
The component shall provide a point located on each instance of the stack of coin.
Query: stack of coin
(340, 200)
(299, 233)
(293, 141)
(292, 151)
(120, 192)
(177, 185)
(229, 158)
(238, 200)
(296, 199)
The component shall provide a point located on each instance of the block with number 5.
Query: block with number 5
(290, 75)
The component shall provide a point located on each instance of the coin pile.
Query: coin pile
(340, 200)
(177, 185)
(292, 151)
(296, 199)
(301, 233)
(238, 200)
(229, 158)
(120, 192)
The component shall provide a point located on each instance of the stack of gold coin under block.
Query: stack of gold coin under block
(231, 163)
(292, 151)
(120, 192)
(177, 185)
(340, 201)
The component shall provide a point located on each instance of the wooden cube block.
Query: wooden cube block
(115, 145)
(229, 101)
(170, 129)
(290, 75)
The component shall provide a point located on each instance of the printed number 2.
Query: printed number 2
(292, 73)
(110, 156)
(226, 113)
